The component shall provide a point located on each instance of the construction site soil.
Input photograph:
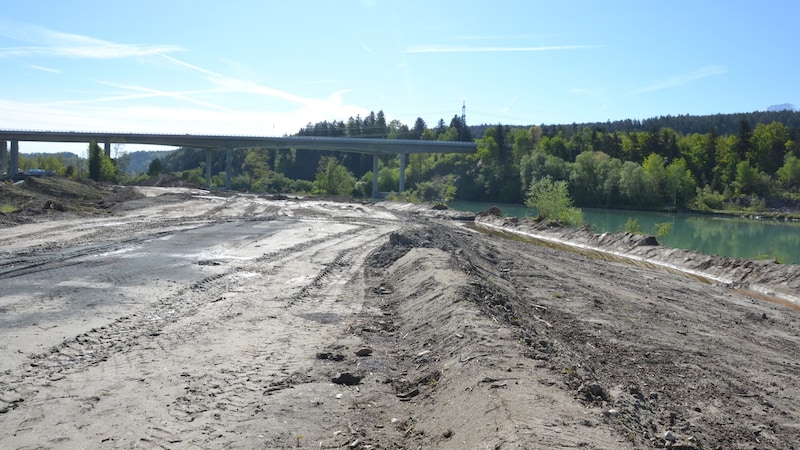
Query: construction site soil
(175, 317)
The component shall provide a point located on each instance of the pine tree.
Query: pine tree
(95, 160)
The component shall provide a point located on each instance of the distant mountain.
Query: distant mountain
(140, 160)
(783, 107)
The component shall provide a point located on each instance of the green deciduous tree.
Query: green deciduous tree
(256, 166)
(751, 181)
(634, 187)
(551, 201)
(789, 173)
(440, 188)
(333, 178)
(769, 146)
(680, 182)
(537, 165)
(653, 166)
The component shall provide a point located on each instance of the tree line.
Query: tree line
(700, 161)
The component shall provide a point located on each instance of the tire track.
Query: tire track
(140, 353)
(131, 332)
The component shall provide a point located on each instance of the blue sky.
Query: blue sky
(270, 67)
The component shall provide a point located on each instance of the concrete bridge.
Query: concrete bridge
(375, 147)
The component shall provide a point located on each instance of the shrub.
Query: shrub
(552, 201)
(632, 226)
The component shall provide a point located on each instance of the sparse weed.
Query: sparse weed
(632, 226)
(662, 229)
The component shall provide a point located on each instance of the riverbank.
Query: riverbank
(767, 277)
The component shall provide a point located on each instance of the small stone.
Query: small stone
(347, 379)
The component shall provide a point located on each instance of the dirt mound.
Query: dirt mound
(36, 199)
(646, 356)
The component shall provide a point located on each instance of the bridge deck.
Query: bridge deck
(219, 142)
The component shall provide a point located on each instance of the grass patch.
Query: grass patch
(8, 209)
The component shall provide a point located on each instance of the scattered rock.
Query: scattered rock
(408, 395)
(347, 379)
(593, 392)
(330, 356)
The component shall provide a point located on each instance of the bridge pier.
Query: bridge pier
(208, 168)
(107, 148)
(374, 176)
(228, 167)
(3, 157)
(402, 186)
(12, 171)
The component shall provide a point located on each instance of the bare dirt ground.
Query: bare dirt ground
(180, 318)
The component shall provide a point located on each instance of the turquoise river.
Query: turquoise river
(717, 235)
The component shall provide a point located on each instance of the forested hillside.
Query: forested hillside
(706, 162)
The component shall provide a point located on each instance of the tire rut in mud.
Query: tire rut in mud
(207, 307)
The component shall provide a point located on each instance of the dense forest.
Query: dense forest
(706, 162)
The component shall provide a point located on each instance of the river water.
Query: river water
(725, 236)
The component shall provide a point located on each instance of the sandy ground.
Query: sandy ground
(189, 319)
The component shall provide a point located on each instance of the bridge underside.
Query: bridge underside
(374, 147)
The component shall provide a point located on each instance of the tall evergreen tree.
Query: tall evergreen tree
(381, 129)
(744, 141)
(419, 128)
(95, 160)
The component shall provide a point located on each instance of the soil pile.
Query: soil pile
(645, 356)
(48, 198)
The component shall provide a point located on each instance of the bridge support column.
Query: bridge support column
(374, 177)
(403, 158)
(107, 149)
(3, 157)
(12, 171)
(208, 168)
(228, 167)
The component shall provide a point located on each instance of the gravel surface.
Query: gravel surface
(182, 318)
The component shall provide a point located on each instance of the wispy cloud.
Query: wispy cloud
(681, 79)
(45, 69)
(124, 109)
(45, 42)
(503, 37)
(364, 46)
(140, 92)
(191, 66)
(579, 91)
(464, 49)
